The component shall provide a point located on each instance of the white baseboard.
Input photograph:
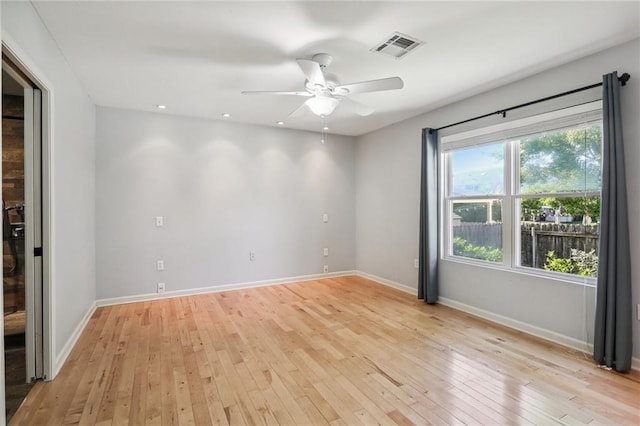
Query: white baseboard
(217, 289)
(543, 333)
(387, 282)
(552, 336)
(66, 350)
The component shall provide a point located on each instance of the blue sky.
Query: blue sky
(478, 170)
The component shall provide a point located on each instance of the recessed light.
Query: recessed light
(226, 115)
(161, 106)
(280, 123)
(325, 128)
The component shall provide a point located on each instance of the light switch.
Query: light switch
(326, 251)
(159, 221)
(325, 217)
(160, 265)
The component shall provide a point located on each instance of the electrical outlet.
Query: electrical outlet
(326, 251)
(160, 287)
(160, 265)
(252, 256)
(325, 217)
(159, 221)
(416, 264)
(325, 269)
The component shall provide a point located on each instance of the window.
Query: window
(526, 194)
(476, 197)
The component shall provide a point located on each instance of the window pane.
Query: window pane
(477, 230)
(560, 234)
(564, 161)
(478, 170)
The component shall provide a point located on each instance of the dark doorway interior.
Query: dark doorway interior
(13, 277)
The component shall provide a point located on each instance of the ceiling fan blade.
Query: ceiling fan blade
(391, 83)
(299, 111)
(356, 107)
(253, 92)
(312, 71)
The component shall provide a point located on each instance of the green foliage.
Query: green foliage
(477, 212)
(462, 247)
(558, 264)
(564, 161)
(531, 208)
(580, 263)
(571, 206)
(581, 206)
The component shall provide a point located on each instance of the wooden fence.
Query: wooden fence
(480, 234)
(537, 239)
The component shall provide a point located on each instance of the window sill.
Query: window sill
(538, 273)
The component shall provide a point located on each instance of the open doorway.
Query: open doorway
(22, 233)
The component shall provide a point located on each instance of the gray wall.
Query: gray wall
(387, 182)
(224, 190)
(72, 170)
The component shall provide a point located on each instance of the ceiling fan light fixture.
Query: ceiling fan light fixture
(322, 106)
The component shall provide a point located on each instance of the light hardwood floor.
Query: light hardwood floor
(344, 351)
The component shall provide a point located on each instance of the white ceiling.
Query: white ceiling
(196, 57)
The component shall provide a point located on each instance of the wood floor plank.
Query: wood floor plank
(277, 407)
(154, 367)
(124, 392)
(29, 405)
(89, 395)
(338, 351)
(262, 408)
(345, 407)
(139, 385)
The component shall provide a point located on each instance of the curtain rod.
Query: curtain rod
(622, 79)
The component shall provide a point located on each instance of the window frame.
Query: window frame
(510, 134)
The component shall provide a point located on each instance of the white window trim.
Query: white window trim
(521, 127)
(540, 123)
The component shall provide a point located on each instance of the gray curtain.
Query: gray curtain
(428, 251)
(612, 338)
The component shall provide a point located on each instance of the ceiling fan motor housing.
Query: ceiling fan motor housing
(323, 59)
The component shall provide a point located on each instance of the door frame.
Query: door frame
(21, 60)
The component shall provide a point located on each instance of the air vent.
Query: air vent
(397, 45)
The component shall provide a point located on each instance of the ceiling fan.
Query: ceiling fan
(325, 92)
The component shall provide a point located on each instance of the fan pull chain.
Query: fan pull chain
(323, 134)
